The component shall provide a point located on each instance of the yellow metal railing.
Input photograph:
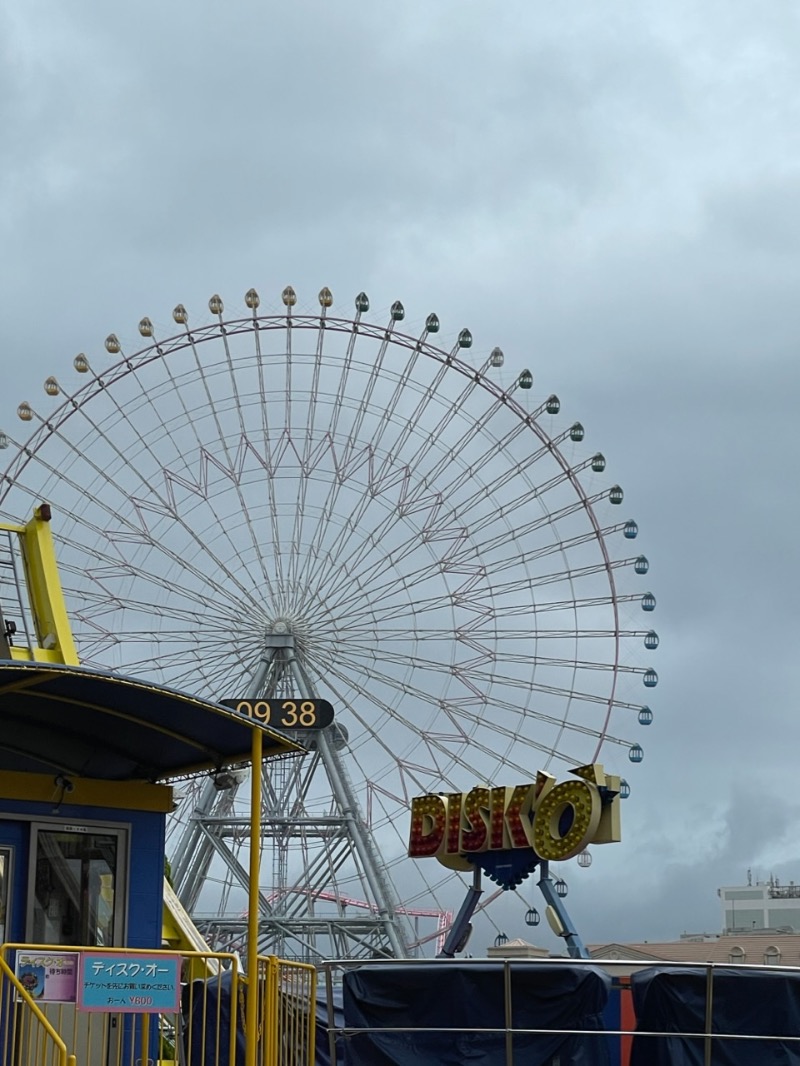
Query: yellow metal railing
(210, 1029)
(27, 1037)
(287, 1002)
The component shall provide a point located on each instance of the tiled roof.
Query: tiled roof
(750, 949)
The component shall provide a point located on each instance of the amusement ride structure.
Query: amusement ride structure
(285, 506)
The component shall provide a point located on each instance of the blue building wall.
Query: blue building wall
(17, 835)
(145, 862)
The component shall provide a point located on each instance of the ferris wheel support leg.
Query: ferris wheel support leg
(191, 858)
(558, 917)
(348, 803)
(190, 846)
(461, 928)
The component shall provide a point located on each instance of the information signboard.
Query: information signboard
(116, 981)
(48, 976)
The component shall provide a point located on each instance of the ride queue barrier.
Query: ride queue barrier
(711, 1014)
(31, 1040)
(206, 1028)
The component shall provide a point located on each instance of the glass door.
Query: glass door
(6, 874)
(78, 878)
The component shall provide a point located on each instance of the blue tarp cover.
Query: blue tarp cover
(456, 997)
(322, 1045)
(748, 1002)
(209, 1012)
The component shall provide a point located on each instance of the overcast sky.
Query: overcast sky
(611, 192)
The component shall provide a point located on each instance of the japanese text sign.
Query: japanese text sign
(48, 977)
(116, 981)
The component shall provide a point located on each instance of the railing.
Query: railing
(288, 992)
(27, 1038)
(714, 1028)
(784, 892)
(208, 1029)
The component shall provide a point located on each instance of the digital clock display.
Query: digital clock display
(284, 714)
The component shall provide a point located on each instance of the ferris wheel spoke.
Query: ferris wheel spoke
(466, 551)
(413, 421)
(358, 583)
(98, 596)
(431, 533)
(287, 364)
(439, 743)
(499, 447)
(337, 448)
(464, 475)
(562, 722)
(514, 739)
(532, 490)
(349, 562)
(222, 439)
(419, 575)
(355, 440)
(435, 748)
(385, 489)
(139, 534)
(353, 516)
(152, 497)
(482, 614)
(337, 550)
(309, 441)
(464, 671)
(173, 661)
(381, 482)
(347, 362)
(558, 577)
(407, 772)
(235, 563)
(405, 505)
(563, 547)
(473, 635)
(383, 565)
(569, 695)
(436, 434)
(110, 567)
(266, 435)
(402, 380)
(571, 607)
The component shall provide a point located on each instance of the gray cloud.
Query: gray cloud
(609, 195)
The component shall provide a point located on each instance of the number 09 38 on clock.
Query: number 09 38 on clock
(284, 714)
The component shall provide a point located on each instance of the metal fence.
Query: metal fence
(288, 1002)
(208, 1029)
(27, 1038)
(769, 1031)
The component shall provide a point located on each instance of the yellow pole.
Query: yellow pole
(251, 1015)
(145, 1051)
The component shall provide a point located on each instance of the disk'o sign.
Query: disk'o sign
(556, 821)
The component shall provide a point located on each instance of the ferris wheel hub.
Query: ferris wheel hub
(288, 625)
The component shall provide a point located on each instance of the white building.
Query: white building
(765, 905)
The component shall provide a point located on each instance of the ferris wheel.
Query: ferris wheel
(293, 504)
